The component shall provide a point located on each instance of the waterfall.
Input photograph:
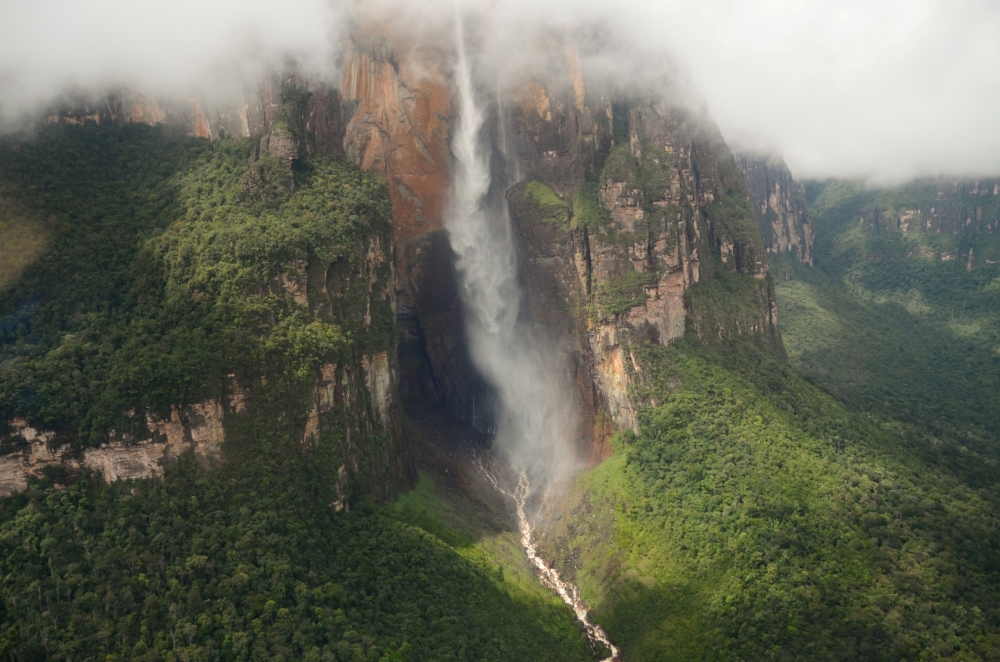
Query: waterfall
(537, 415)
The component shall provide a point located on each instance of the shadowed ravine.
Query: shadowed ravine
(536, 408)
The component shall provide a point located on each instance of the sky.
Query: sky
(883, 89)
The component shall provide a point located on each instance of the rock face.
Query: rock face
(197, 428)
(644, 214)
(632, 213)
(277, 97)
(354, 409)
(398, 99)
(779, 204)
(941, 206)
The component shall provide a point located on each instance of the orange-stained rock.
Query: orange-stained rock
(147, 111)
(201, 126)
(400, 128)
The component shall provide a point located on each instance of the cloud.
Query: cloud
(889, 90)
(181, 47)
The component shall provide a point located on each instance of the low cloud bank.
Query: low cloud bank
(849, 88)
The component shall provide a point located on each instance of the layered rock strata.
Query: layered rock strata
(632, 212)
(940, 206)
(197, 428)
(779, 204)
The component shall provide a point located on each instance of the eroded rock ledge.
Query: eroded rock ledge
(197, 428)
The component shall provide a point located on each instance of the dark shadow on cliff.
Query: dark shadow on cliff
(448, 453)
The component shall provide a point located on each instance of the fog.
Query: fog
(179, 48)
(536, 414)
(887, 90)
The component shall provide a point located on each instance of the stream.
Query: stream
(547, 575)
(535, 407)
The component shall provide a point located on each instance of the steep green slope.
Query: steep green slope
(755, 517)
(250, 562)
(838, 507)
(886, 321)
(167, 280)
(157, 284)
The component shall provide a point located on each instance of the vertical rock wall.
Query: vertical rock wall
(938, 206)
(779, 204)
(632, 212)
(646, 214)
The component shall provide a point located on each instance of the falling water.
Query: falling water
(537, 414)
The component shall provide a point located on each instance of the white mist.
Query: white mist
(537, 415)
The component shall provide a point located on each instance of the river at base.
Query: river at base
(547, 575)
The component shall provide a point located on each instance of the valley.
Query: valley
(429, 363)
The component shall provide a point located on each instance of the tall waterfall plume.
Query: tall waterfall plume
(537, 415)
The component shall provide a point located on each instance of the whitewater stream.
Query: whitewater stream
(535, 407)
(549, 576)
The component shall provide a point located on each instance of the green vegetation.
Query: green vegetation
(488, 541)
(23, 239)
(544, 196)
(172, 265)
(249, 562)
(728, 308)
(549, 205)
(754, 517)
(623, 291)
(841, 506)
(886, 324)
(732, 211)
(620, 165)
(588, 212)
(162, 275)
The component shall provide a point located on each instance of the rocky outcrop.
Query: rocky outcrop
(280, 143)
(779, 203)
(355, 410)
(941, 206)
(313, 107)
(645, 214)
(401, 115)
(196, 428)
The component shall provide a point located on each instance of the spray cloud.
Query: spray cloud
(536, 416)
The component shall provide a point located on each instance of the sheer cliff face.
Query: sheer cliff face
(398, 98)
(631, 213)
(779, 204)
(942, 206)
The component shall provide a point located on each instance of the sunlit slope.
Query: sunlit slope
(23, 238)
(755, 517)
(902, 324)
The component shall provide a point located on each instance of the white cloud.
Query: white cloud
(889, 89)
(178, 47)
